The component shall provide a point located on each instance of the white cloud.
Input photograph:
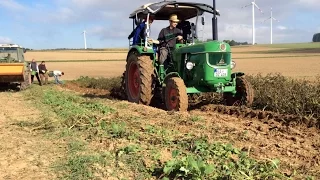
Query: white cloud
(11, 5)
(282, 27)
(314, 4)
(63, 14)
(5, 40)
(113, 32)
(107, 20)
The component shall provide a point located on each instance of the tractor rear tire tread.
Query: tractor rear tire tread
(177, 83)
(146, 70)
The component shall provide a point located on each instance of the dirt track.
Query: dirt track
(23, 154)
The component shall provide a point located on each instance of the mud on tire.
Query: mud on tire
(139, 78)
(175, 95)
(244, 95)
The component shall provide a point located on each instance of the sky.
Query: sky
(49, 24)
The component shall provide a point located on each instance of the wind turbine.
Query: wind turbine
(84, 37)
(271, 20)
(253, 4)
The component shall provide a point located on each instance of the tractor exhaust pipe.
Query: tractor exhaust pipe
(214, 23)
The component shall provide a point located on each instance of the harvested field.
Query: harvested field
(85, 130)
(292, 62)
(74, 55)
(74, 70)
(307, 67)
(296, 67)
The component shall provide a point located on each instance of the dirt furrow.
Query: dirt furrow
(23, 154)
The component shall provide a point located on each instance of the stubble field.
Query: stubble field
(296, 61)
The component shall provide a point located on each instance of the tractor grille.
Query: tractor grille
(219, 59)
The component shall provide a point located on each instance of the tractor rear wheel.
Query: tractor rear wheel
(139, 78)
(176, 98)
(243, 96)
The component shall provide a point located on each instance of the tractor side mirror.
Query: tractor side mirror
(24, 50)
(203, 20)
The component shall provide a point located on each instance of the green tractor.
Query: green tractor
(193, 66)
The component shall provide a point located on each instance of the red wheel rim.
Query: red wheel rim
(134, 80)
(172, 98)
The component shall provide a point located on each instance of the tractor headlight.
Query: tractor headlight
(189, 65)
(233, 65)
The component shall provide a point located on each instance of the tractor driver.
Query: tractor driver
(168, 36)
(9, 58)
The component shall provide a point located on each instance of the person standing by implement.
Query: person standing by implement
(43, 72)
(34, 71)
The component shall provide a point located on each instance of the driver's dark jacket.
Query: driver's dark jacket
(168, 35)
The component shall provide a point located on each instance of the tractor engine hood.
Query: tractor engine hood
(211, 63)
(206, 47)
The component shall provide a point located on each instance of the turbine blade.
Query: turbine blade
(275, 19)
(258, 7)
(267, 19)
(246, 6)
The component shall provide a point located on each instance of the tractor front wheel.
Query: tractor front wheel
(176, 98)
(139, 77)
(243, 96)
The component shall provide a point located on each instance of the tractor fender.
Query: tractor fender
(132, 50)
(140, 51)
(163, 84)
(170, 75)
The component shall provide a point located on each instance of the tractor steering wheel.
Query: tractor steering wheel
(177, 41)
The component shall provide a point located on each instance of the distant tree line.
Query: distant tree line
(235, 43)
(316, 37)
(230, 42)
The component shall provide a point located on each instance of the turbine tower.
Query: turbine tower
(85, 41)
(271, 21)
(253, 4)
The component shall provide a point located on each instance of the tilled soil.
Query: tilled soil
(296, 147)
(295, 141)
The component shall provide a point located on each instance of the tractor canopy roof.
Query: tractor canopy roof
(162, 10)
(10, 45)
